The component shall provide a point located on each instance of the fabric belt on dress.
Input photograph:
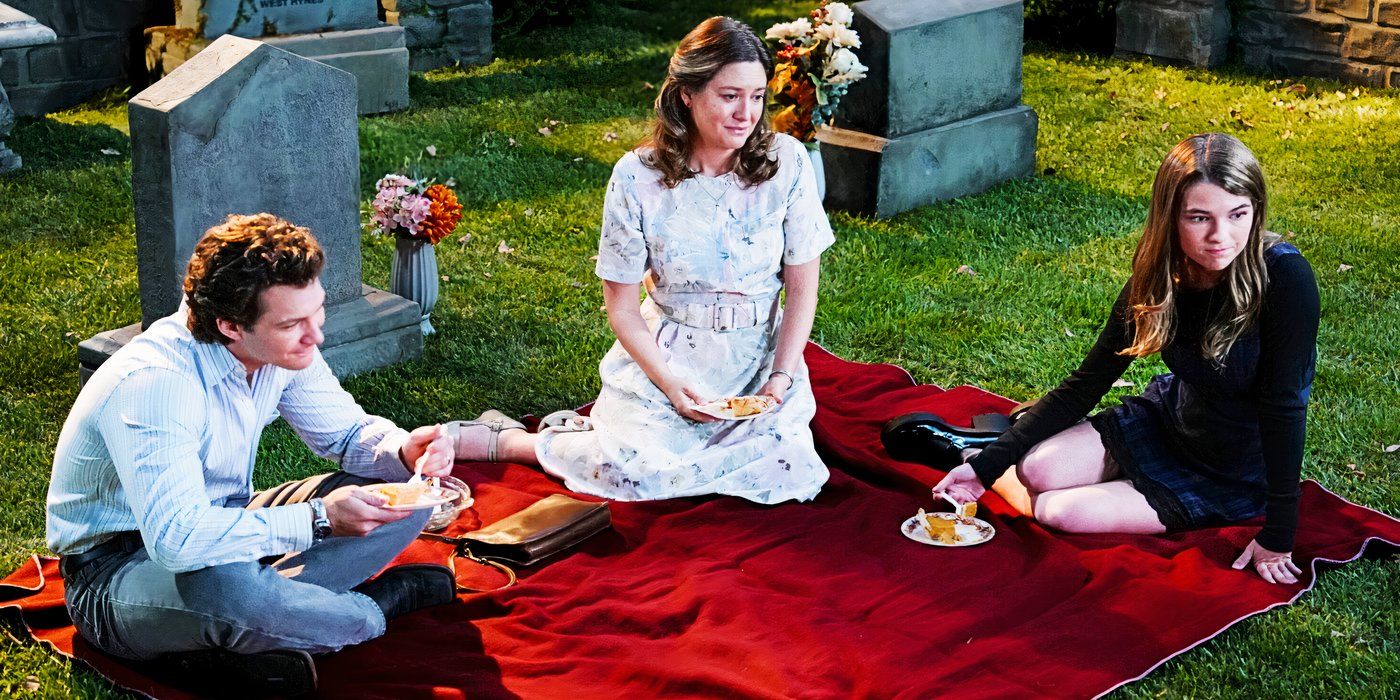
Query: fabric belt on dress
(721, 316)
(119, 543)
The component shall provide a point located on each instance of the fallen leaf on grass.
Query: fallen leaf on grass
(1121, 383)
(965, 270)
(111, 152)
(503, 248)
(1069, 332)
(1335, 633)
(593, 258)
(545, 131)
(1343, 267)
(1299, 88)
(445, 278)
(31, 683)
(551, 122)
(1287, 134)
(430, 150)
(451, 182)
(648, 86)
(578, 159)
(610, 137)
(510, 141)
(1356, 472)
(463, 240)
(576, 285)
(1392, 448)
(486, 275)
(1165, 126)
(1160, 93)
(1356, 92)
(529, 212)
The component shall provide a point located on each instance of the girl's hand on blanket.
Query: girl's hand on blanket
(962, 484)
(685, 399)
(1275, 567)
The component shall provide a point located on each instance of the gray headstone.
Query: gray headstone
(1179, 32)
(377, 57)
(933, 62)
(245, 127)
(953, 160)
(254, 18)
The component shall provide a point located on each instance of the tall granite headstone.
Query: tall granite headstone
(346, 34)
(942, 100)
(245, 127)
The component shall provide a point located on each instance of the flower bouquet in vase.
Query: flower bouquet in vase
(418, 214)
(815, 66)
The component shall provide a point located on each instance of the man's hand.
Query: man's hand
(1275, 567)
(355, 512)
(431, 446)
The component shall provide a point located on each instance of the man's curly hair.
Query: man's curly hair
(236, 260)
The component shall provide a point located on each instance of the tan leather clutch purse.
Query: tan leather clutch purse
(547, 527)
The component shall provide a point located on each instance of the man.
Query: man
(167, 553)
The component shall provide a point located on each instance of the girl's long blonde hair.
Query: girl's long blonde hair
(1159, 265)
(708, 48)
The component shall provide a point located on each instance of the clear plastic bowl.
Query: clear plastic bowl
(444, 514)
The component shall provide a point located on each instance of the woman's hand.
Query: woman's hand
(777, 386)
(961, 484)
(1275, 567)
(685, 399)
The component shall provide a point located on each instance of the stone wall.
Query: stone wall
(443, 32)
(1353, 40)
(99, 45)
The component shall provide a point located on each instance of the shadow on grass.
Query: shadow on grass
(46, 144)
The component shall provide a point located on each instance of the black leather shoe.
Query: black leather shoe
(925, 438)
(409, 587)
(220, 673)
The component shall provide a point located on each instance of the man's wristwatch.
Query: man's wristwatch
(320, 522)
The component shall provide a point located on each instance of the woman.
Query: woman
(1234, 312)
(724, 214)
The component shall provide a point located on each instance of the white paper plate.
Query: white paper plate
(970, 531)
(432, 499)
(716, 408)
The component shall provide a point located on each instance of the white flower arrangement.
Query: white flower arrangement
(815, 66)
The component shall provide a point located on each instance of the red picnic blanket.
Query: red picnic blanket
(708, 597)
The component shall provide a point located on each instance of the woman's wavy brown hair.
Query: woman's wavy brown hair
(708, 48)
(235, 261)
(1159, 265)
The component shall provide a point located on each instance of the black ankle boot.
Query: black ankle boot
(409, 587)
(220, 673)
(925, 438)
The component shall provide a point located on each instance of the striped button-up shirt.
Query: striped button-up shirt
(163, 437)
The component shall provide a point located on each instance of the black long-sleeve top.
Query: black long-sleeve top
(1225, 414)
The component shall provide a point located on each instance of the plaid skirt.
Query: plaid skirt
(1179, 486)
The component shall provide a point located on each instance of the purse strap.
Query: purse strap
(461, 548)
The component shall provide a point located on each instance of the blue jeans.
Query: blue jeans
(129, 606)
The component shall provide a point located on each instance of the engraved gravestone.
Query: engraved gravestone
(347, 34)
(943, 101)
(244, 127)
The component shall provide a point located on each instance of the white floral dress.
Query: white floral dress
(707, 236)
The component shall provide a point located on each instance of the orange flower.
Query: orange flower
(443, 214)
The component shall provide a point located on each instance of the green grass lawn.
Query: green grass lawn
(523, 331)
